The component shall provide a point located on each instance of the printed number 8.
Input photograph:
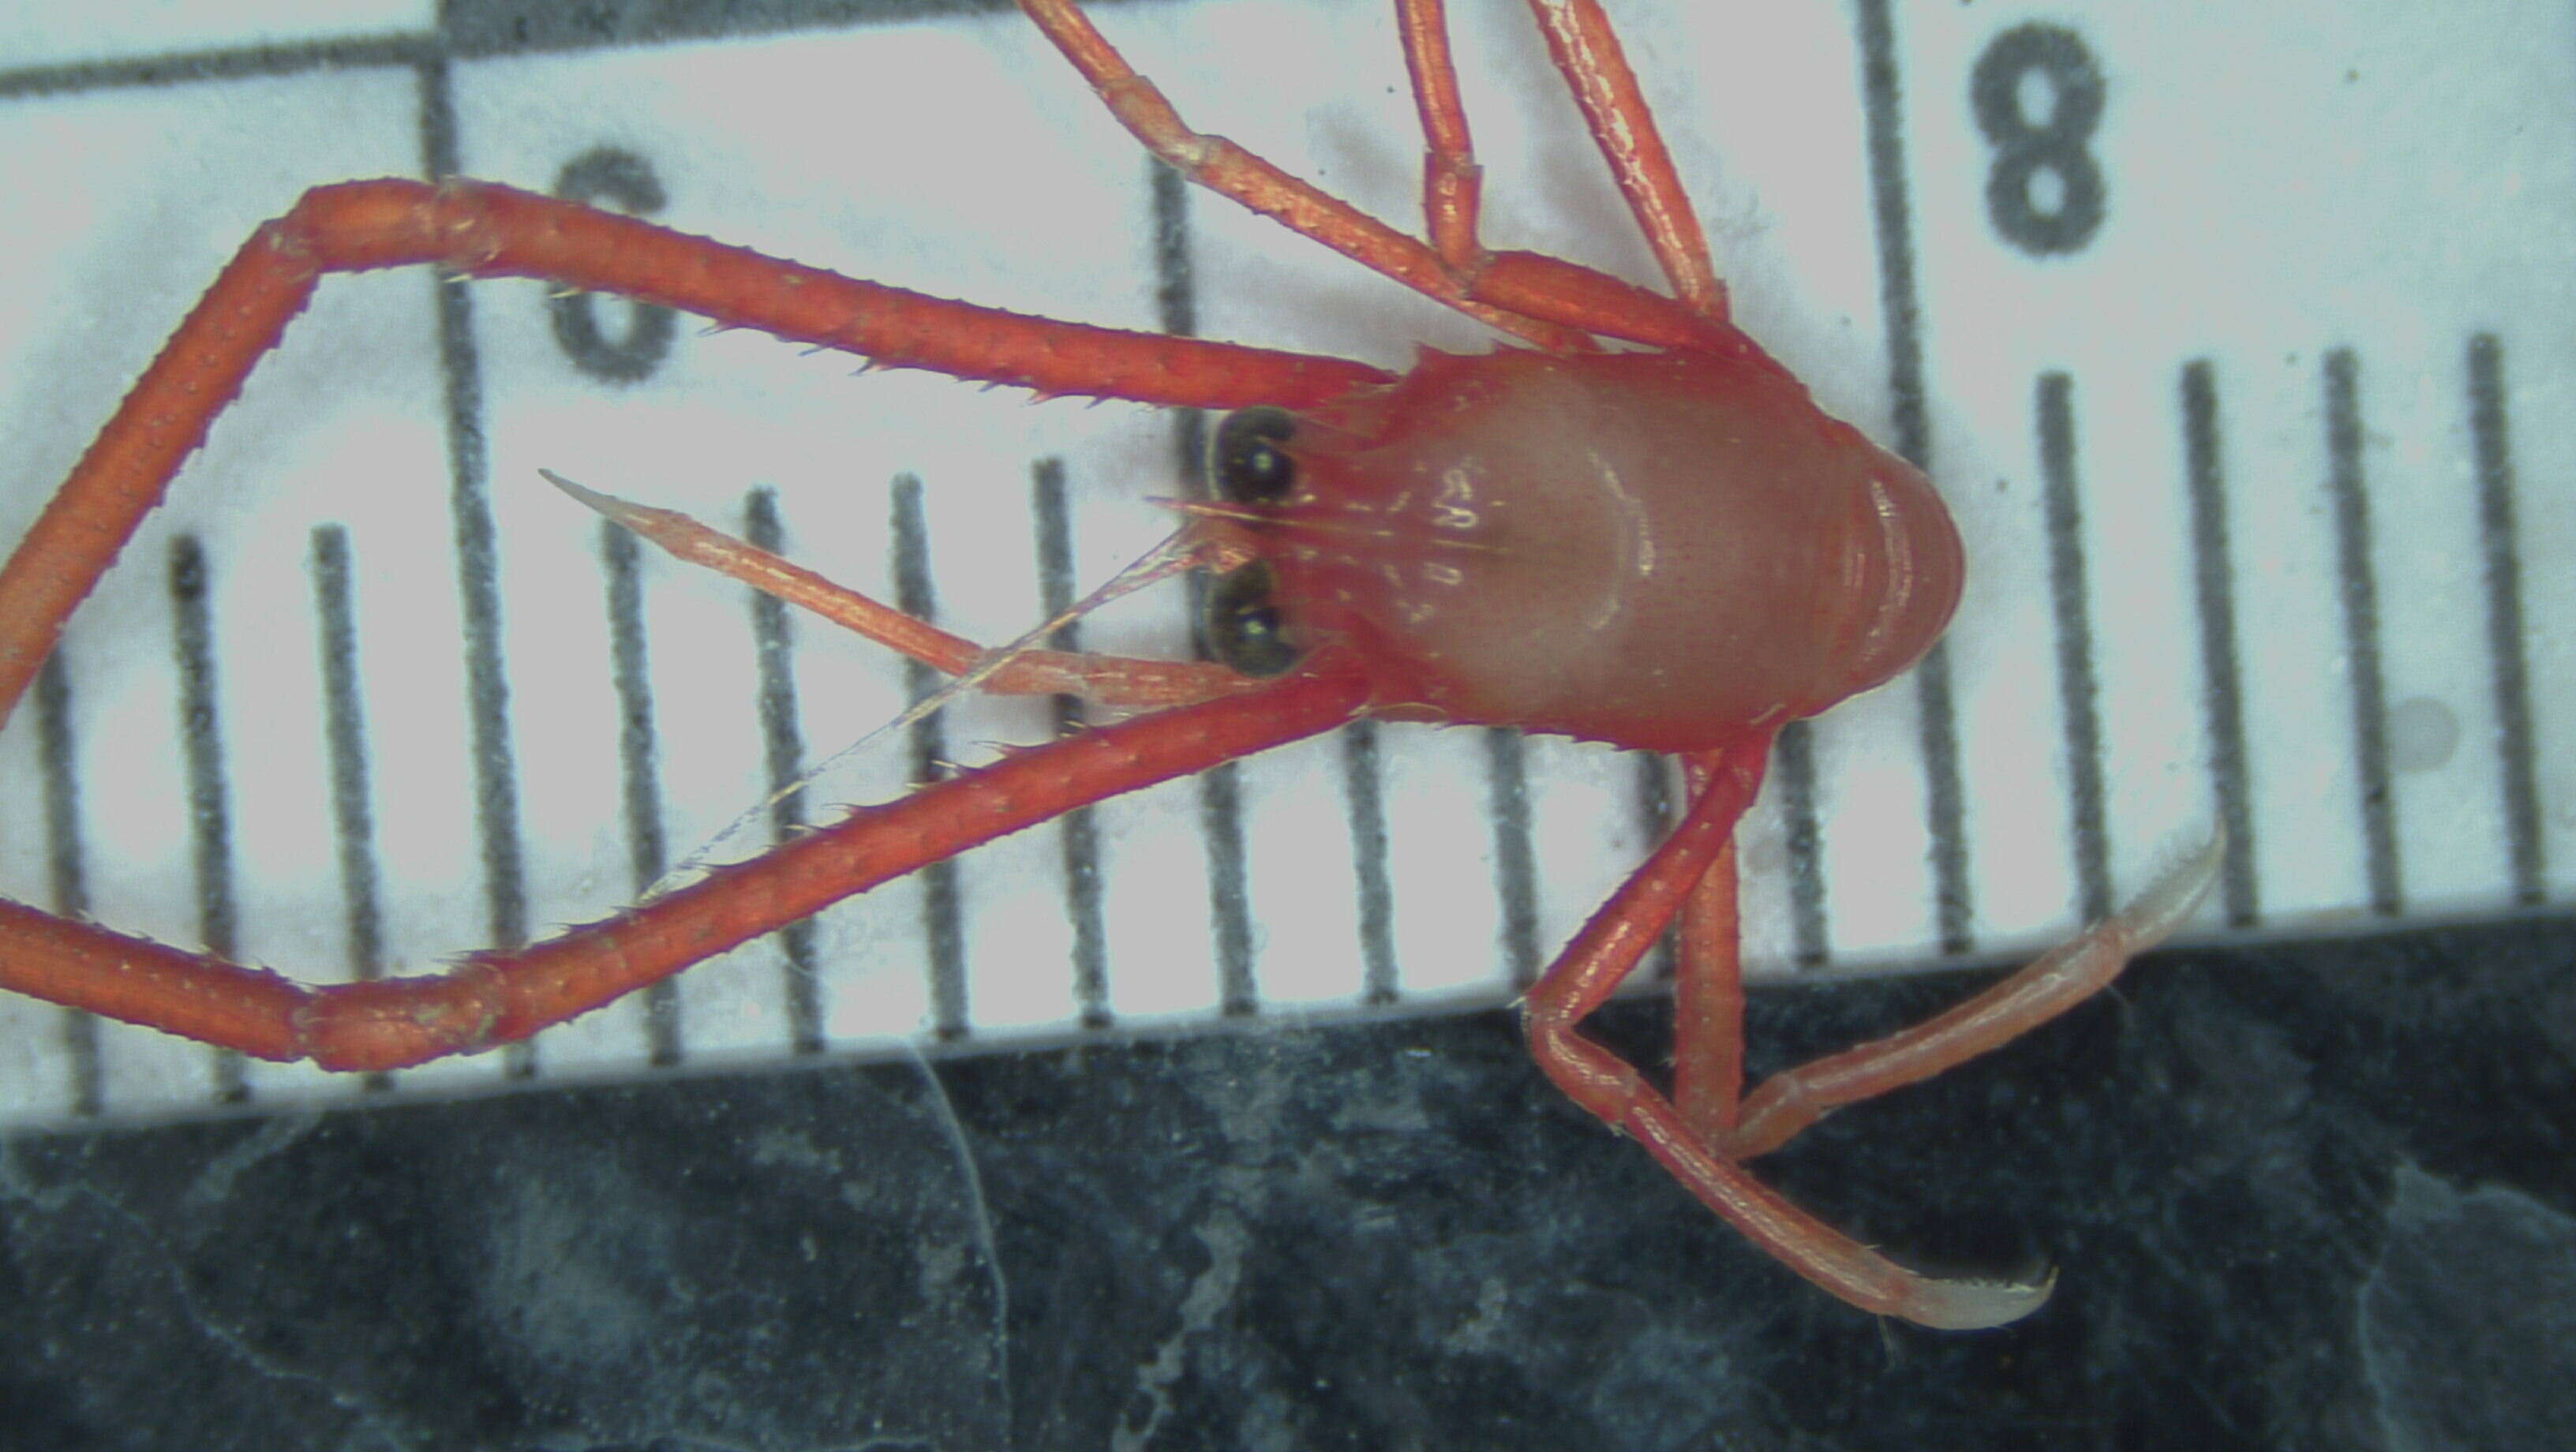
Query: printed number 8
(2044, 191)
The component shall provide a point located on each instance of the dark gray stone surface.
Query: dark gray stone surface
(2318, 1196)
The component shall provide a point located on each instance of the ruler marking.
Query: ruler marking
(2358, 583)
(1364, 789)
(1229, 896)
(201, 744)
(1945, 807)
(1515, 857)
(167, 69)
(639, 764)
(782, 741)
(2499, 542)
(1220, 787)
(1077, 831)
(497, 826)
(1793, 766)
(345, 736)
(2214, 593)
(344, 733)
(472, 29)
(66, 868)
(2078, 687)
(1650, 807)
(943, 922)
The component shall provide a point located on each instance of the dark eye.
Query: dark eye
(1244, 630)
(1246, 464)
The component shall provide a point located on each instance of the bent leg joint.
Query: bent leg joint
(394, 1023)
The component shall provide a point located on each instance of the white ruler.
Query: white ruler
(2241, 341)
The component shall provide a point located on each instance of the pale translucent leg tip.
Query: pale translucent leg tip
(1976, 1305)
(608, 504)
(2172, 896)
(586, 496)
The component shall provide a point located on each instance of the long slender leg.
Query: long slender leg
(1452, 182)
(1606, 951)
(1545, 300)
(1588, 54)
(482, 230)
(1789, 1101)
(495, 998)
(1230, 171)
(1609, 946)
(1708, 990)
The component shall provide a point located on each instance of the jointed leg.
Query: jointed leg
(1230, 171)
(495, 998)
(1588, 55)
(1544, 300)
(2059, 980)
(1452, 182)
(1583, 977)
(483, 230)
(1702, 1135)
(1708, 989)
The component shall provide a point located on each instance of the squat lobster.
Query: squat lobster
(1671, 549)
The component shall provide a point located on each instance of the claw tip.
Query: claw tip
(1977, 1305)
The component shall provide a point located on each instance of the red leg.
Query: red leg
(483, 230)
(1452, 182)
(1590, 969)
(1790, 1101)
(1588, 54)
(1545, 300)
(1708, 990)
(496, 998)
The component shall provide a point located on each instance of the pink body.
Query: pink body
(1660, 550)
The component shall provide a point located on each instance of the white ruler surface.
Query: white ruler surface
(2242, 340)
